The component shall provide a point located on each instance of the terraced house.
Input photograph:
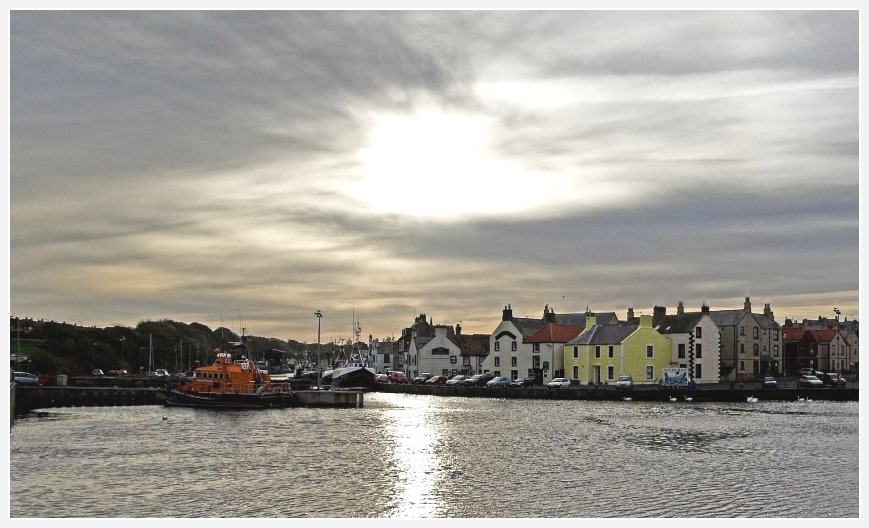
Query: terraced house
(601, 353)
(695, 340)
(751, 343)
(530, 347)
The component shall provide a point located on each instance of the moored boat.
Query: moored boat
(354, 377)
(232, 381)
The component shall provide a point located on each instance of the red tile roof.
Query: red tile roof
(555, 333)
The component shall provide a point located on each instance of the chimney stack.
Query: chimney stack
(747, 306)
(680, 310)
(630, 314)
(507, 315)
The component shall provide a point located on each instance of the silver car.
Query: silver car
(25, 378)
(810, 381)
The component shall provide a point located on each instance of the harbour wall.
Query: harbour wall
(637, 394)
(25, 399)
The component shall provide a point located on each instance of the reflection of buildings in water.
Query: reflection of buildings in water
(415, 460)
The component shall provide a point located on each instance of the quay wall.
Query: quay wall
(638, 394)
(25, 399)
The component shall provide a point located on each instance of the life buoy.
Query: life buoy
(268, 386)
(286, 386)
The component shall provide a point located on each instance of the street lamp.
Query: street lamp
(123, 338)
(93, 357)
(319, 318)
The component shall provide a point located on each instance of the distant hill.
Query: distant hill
(62, 348)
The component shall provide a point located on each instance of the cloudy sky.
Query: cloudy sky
(250, 168)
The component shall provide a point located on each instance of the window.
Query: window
(536, 348)
(754, 349)
(513, 346)
(698, 371)
(513, 361)
(497, 346)
(597, 351)
(754, 332)
(681, 350)
(610, 372)
(575, 352)
(513, 374)
(576, 372)
(610, 352)
(650, 372)
(699, 350)
(742, 330)
(650, 351)
(742, 348)
(535, 361)
(742, 365)
(698, 333)
(775, 350)
(775, 334)
(497, 361)
(453, 359)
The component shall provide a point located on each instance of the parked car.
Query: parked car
(558, 383)
(807, 372)
(498, 381)
(163, 373)
(831, 379)
(25, 378)
(470, 381)
(810, 381)
(97, 372)
(422, 378)
(522, 382)
(625, 383)
(382, 378)
(396, 376)
(769, 382)
(457, 379)
(436, 380)
(479, 380)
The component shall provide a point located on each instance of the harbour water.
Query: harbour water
(420, 456)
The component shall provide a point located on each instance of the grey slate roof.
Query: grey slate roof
(677, 324)
(604, 335)
(726, 317)
(579, 319)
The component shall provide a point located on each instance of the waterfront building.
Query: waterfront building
(694, 337)
(602, 353)
(384, 353)
(475, 348)
(751, 343)
(438, 354)
(516, 346)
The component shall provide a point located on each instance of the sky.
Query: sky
(248, 168)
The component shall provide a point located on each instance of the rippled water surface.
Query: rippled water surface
(413, 456)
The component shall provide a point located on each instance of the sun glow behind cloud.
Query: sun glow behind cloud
(436, 164)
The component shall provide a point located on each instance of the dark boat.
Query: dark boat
(354, 377)
(232, 381)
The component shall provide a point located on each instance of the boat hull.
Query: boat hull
(177, 398)
(354, 378)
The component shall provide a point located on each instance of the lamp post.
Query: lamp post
(123, 338)
(93, 357)
(319, 318)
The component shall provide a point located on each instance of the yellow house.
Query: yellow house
(602, 353)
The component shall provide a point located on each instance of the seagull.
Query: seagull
(751, 399)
